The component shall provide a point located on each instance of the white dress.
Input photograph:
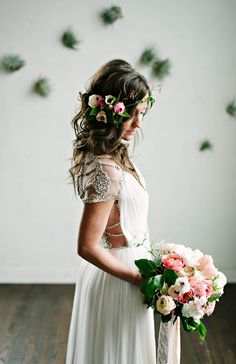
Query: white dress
(110, 324)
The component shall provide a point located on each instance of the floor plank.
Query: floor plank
(35, 318)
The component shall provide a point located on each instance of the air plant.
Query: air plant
(205, 144)
(112, 14)
(12, 62)
(42, 86)
(69, 39)
(231, 108)
(161, 68)
(148, 56)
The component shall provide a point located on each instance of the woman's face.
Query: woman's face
(131, 125)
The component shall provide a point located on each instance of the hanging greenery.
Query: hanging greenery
(161, 68)
(205, 144)
(110, 15)
(42, 86)
(12, 62)
(69, 39)
(148, 56)
(231, 108)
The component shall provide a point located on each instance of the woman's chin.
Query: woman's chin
(128, 136)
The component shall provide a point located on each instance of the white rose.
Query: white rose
(165, 304)
(182, 285)
(219, 282)
(92, 102)
(190, 309)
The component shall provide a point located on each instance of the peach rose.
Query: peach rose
(173, 261)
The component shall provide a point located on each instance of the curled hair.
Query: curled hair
(116, 78)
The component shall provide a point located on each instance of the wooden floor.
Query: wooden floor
(34, 324)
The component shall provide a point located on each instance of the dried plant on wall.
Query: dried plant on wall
(12, 62)
(42, 86)
(161, 68)
(112, 14)
(205, 144)
(231, 108)
(148, 56)
(69, 39)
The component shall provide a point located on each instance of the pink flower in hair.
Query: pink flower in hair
(119, 108)
(100, 101)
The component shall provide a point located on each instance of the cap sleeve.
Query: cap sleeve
(100, 180)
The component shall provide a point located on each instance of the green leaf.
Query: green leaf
(202, 331)
(190, 325)
(149, 287)
(214, 297)
(170, 276)
(94, 111)
(146, 267)
(125, 114)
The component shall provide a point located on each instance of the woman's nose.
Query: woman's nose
(137, 121)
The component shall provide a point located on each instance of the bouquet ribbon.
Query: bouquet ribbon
(168, 351)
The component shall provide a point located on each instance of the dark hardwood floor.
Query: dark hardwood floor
(34, 324)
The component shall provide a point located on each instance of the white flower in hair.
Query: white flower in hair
(101, 116)
(109, 99)
(93, 100)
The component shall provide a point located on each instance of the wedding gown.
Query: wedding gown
(110, 324)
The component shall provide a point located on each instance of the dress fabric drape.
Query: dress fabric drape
(110, 323)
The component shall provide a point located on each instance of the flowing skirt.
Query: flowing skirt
(110, 324)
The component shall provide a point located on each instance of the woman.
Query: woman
(110, 323)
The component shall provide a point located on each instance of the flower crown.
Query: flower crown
(110, 109)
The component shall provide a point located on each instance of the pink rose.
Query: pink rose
(207, 267)
(100, 101)
(201, 288)
(119, 108)
(173, 261)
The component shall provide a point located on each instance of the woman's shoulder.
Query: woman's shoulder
(103, 163)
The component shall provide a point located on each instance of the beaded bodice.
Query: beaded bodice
(101, 179)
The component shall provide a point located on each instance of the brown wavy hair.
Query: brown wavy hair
(116, 77)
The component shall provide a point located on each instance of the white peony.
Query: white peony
(191, 309)
(191, 257)
(219, 282)
(165, 304)
(182, 285)
(92, 102)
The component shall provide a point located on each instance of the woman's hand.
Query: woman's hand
(137, 279)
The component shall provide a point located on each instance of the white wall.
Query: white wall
(192, 194)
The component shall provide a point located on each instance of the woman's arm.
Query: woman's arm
(93, 223)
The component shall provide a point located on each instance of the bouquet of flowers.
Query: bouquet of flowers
(181, 282)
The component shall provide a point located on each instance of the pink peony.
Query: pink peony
(207, 267)
(119, 108)
(100, 101)
(173, 261)
(201, 288)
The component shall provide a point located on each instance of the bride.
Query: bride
(110, 323)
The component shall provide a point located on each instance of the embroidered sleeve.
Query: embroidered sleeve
(100, 180)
